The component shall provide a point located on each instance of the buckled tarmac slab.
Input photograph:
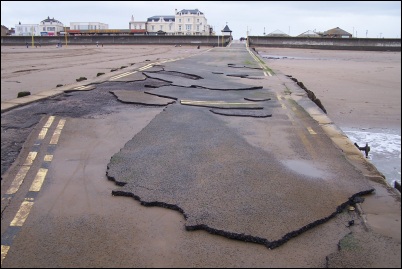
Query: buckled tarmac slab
(141, 98)
(224, 185)
(221, 104)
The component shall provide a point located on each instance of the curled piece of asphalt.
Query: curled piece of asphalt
(140, 98)
(256, 99)
(242, 113)
(189, 160)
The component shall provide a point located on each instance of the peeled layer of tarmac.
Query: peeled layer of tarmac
(140, 98)
(207, 171)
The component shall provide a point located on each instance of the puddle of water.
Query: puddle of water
(385, 150)
(305, 168)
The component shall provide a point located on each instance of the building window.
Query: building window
(188, 27)
(179, 27)
(198, 20)
(153, 27)
(161, 27)
(180, 19)
(198, 27)
(188, 20)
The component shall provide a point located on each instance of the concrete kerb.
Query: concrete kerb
(18, 102)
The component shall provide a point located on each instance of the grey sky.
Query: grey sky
(377, 18)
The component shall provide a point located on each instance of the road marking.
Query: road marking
(49, 122)
(19, 178)
(279, 97)
(122, 75)
(311, 131)
(39, 179)
(30, 158)
(4, 251)
(45, 128)
(283, 106)
(48, 158)
(22, 213)
(57, 132)
(82, 87)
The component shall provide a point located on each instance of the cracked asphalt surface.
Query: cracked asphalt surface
(266, 174)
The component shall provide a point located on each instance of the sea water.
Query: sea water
(385, 150)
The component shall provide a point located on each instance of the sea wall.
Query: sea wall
(115, 40)
(370, 44)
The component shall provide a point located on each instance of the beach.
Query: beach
(361, 92)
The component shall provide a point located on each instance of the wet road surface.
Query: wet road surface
(231, 149)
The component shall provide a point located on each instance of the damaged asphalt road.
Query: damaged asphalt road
(224, 145)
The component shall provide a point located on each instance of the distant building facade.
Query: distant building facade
(27, 29)
(137, 27)
(161, 25)
(88, 26)
(191, 22)
(4, 30)
(337, 33)
(50, 27)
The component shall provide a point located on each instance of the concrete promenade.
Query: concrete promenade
(231, 164)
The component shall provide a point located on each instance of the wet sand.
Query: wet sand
(361, 91)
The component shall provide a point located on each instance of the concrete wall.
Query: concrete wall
(371, 44)
(115, 40)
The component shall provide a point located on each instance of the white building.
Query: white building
(161, 25)
(88, 26)
(27, 29)
(137, 27)
(50, 27)
(191, 22)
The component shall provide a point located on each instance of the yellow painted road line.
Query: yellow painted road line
(57, 132)
(30, 158)
(19, 178)
(45, 127)
(122, 75)
(42, 133)
(4, 251)
(49, 122)
(80, 87)
(22, 213)
(39, 179)
(48, 158)
(311, 131)
(144, 68)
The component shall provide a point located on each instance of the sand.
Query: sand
(360, 89)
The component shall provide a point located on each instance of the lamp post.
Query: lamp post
(32, 29)
(65, 34)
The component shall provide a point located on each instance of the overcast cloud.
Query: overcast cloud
(376, 18)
